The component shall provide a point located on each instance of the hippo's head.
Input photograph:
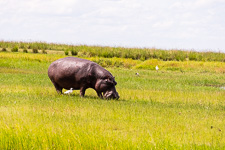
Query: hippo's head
(111, 93)
(107, 86)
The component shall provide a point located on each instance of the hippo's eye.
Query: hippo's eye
(108, 81)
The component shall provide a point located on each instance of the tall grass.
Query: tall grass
(178, 66)
(119, 52)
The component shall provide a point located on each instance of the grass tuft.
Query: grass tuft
(35, 50)
(14, 49)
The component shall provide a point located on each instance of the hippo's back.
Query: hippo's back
(67, 64)
(67, 61)
(69, 71)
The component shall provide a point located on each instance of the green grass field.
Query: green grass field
(181, 106)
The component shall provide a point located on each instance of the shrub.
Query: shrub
(22, 45)
(148, 64)
(4, 49)
(25, 50)
(74, 52)
(29, 46)
(192, 56)
(200, 57)
(66, 52)
(15, 49)
(179, 56)
(143, 58)
(44, 51)
(163, 55)
(35, 50)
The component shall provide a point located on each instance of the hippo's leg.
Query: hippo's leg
(82, 91)
(99, 94)
(58, 88)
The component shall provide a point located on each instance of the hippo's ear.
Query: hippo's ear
(108, 81)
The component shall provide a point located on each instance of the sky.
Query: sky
(167, 24)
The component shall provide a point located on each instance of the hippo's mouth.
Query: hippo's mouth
(110, 95)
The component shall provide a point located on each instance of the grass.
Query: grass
(170, 109)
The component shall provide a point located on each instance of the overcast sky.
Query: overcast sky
(168, 24)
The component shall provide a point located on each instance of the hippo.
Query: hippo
(81, 74)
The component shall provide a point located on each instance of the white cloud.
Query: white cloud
(164, 24)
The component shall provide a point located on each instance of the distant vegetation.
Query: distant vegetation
(118, 52)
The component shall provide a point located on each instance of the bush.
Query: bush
(35, 50)
(74, 52)
(4, 49)
(22, 45)
(29, 47)
(25, 50)
(148, 64)
(44, 51)
(193, 56)
(15, 49)
(66, 52)
(179, 56)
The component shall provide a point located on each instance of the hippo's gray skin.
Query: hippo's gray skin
(77, 73)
